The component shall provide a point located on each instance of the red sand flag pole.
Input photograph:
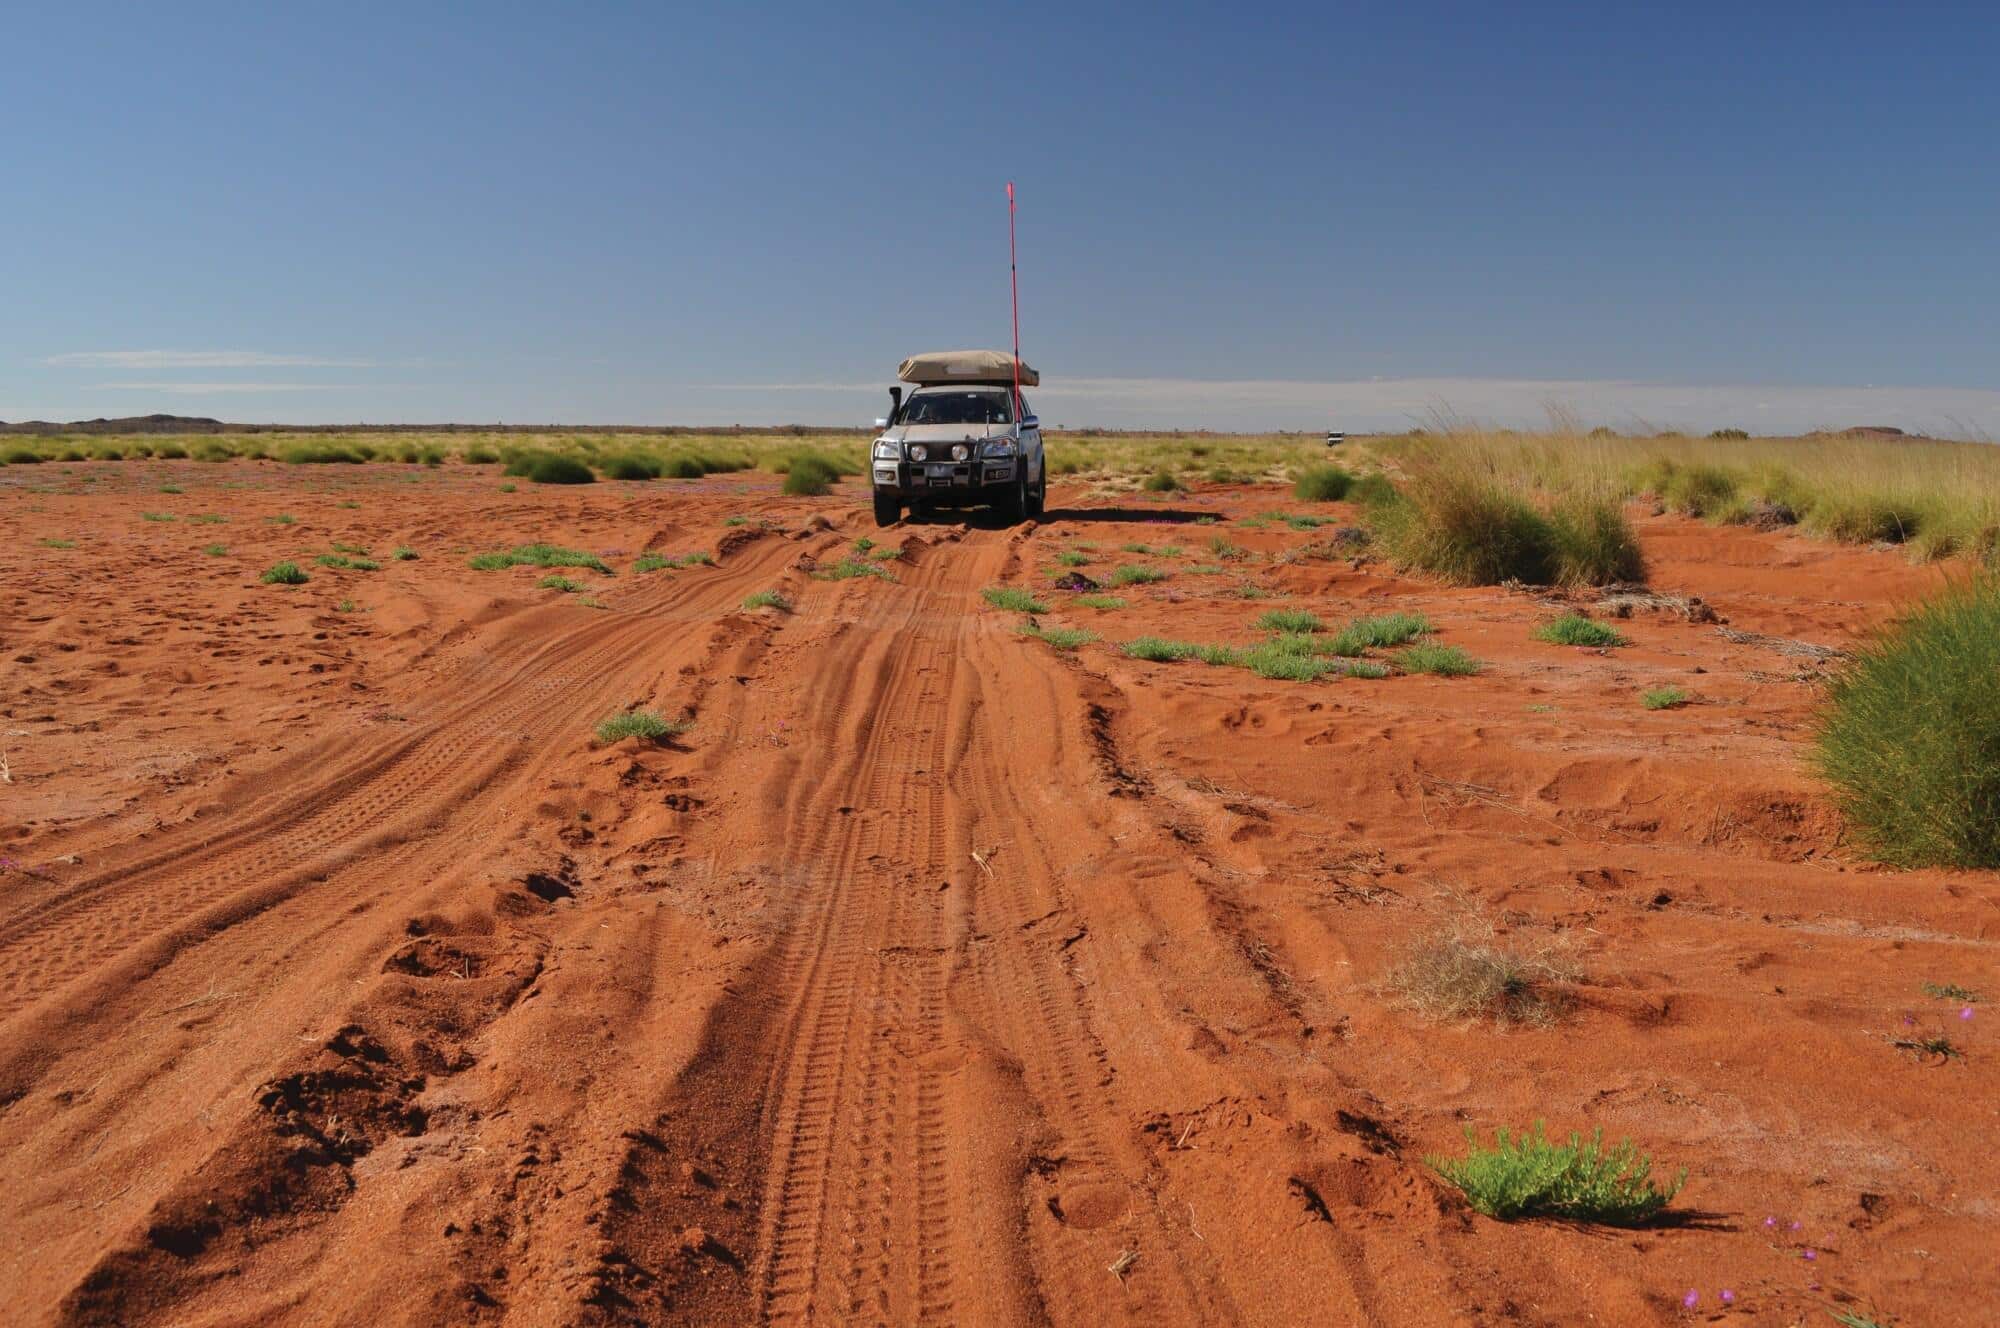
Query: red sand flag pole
(1014, 280)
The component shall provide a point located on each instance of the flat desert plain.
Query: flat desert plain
(931, 972)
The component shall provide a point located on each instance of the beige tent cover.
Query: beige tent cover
(965, 366)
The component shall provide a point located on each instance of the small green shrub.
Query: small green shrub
(1322, 484)
(282, 519)
(1162, 481)
(849, 568)
(1574, 629)
(1062, 638)
(214, 550)
(1279, 660)
(57, 543)
(508, 488)
(1289, 620)
(1593, 544)
(209, 519)
(767, 599)
(1909, 734)
(538, 555)
(559, 470)
(1071, 558)
(1013, 600)
(403, 553)
(810, 475)
(631, 466)
(557, 581)
(1159, 649)
(1373, 490)
(1444, 661)
(1699, 491)
(1664, 698)
(1136, 576)
(319, 454)
(1527, 1176)
(653, 562)
(1381, 632)
(1101, 602)
(22, 456)
(158, 516)
(171, 488)
(344, 563)
(480, 456)
(646, 724)
(284, 574)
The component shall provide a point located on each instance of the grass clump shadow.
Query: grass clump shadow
(1909, 734)
(1013, 600)
(1527, 1175)
(1575, 629)
(644, 724)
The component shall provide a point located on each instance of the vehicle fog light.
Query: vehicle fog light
(886, 475)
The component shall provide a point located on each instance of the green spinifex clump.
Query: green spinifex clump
(1574, 629)
(1909, 736)
(1526, 1175)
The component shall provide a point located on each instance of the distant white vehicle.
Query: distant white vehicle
(1334, 438)
(965, 435)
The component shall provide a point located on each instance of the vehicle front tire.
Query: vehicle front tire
(1038, 499)
(888, 509)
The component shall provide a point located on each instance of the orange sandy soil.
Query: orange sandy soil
(932, 974)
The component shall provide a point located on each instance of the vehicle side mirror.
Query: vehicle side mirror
(1031, 422)
(881, 423)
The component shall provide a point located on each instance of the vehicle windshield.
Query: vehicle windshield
(980, 406)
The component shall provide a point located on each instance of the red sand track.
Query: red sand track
(933, 976)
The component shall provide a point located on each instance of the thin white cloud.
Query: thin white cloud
(214, 389)
(196, 359)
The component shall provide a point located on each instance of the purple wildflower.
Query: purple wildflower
(1728, 1297)
(1809, 1254)
(1691, 1299)
(1965, 1012)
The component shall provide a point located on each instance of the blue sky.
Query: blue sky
(1232, 216)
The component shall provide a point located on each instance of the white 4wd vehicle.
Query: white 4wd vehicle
(964, 435)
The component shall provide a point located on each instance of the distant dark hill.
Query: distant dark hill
(130, 424)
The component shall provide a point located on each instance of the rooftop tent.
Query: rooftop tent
(965, 366)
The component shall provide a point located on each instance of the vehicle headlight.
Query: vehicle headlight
(960, 452)
(918, 452)
(886, 450)
(999, 447)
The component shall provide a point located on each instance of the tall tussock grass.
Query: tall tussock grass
(1465, 518)
(1909, 736)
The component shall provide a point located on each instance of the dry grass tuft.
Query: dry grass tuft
(1463, 970)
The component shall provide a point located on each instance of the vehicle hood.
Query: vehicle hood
(947, 433)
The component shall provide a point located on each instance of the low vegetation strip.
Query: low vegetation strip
(644, 724)
(538, 555)
(1013, 599)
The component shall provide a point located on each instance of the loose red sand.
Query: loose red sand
(932, 976)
